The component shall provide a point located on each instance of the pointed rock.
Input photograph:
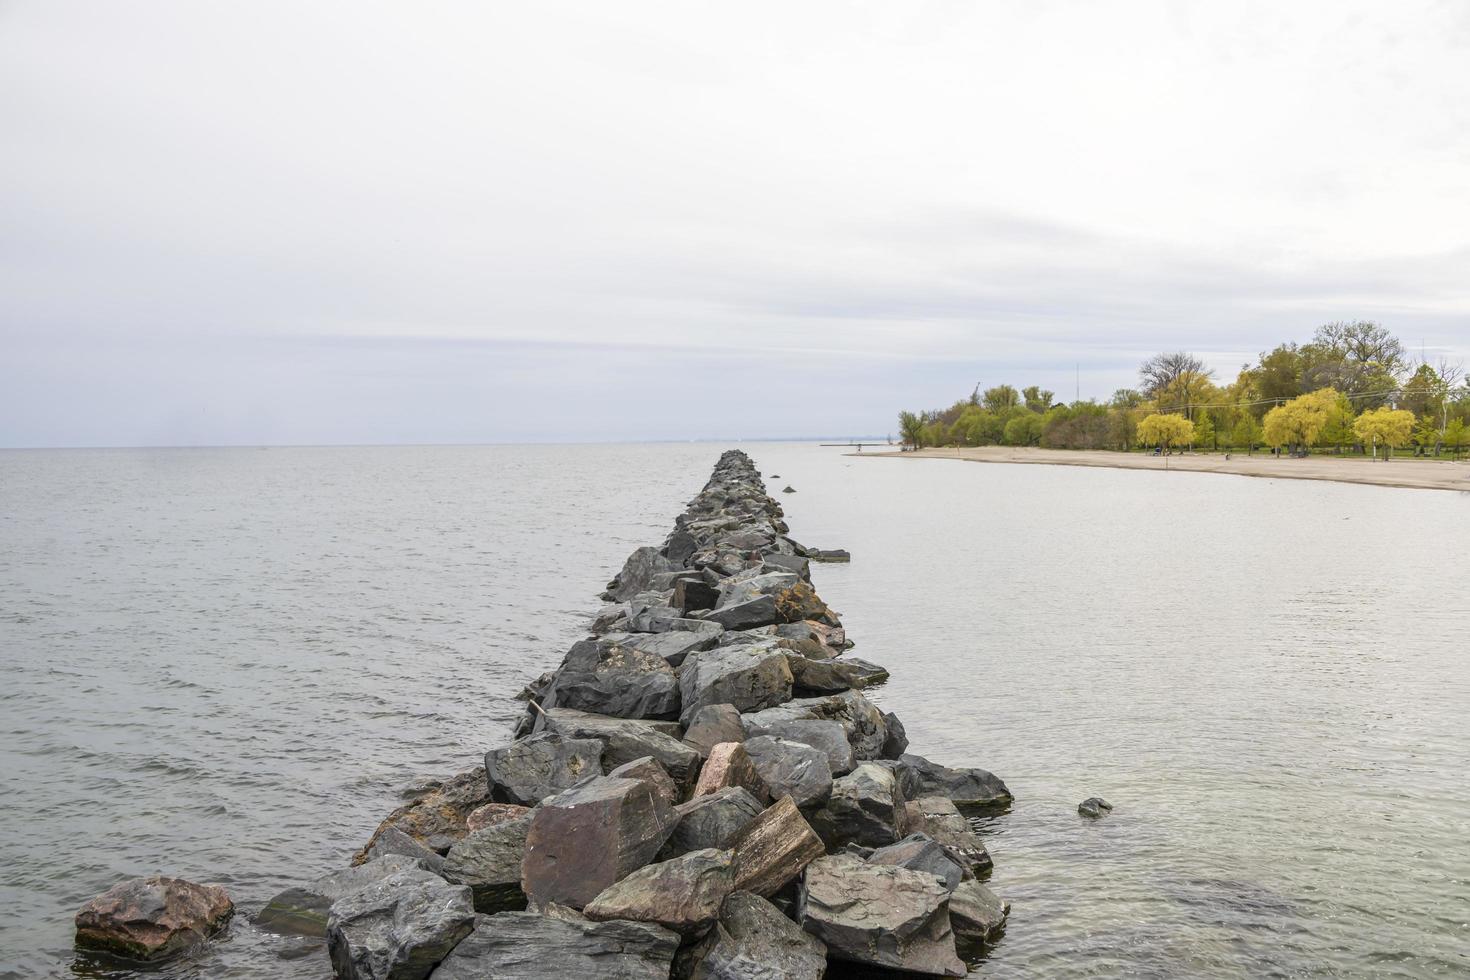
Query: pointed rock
(730, 765)
(683, 894)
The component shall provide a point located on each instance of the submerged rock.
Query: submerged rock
(527, 946)
(399, 927)
(1094, 806)
(153, 918)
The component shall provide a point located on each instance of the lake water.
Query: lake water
(222, 664)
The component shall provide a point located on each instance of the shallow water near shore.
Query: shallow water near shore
(223, 664)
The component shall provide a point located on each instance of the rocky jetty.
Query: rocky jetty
(701, 789)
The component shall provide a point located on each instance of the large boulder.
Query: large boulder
(672, 645)
(302, 911)
(683, 894)
(828, 736)
(713, 724)
(919, 852)
(750, 677)
(656, 776)
(714, 820)
(976, 914)
(637, 573)
(399, 927)
(792, 769)
(859, 718)
(730, 765)
(618, 679)
(879, 915)
(774, 848)
(754, 941)
(151, 919)
(437, 818)
(625, 740)
(527, 946)
(489, 862)
(584, 839)
(528, 770)
(864, 809)
(939, 819)
(966, 787)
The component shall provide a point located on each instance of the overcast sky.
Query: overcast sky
(288, 222)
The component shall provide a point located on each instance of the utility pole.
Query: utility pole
(1077, 395)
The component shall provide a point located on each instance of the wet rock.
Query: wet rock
(865, 673)
(1094, 806)
(816, 677)
(792, 769)
(609, 616)
(976, 914)
(939, 819)
(774, 848)
(393, 841)
(863, 809)
(966, 787)
(754, 941)
(303, 911)
(837, 555)
(879, 915)
(749, 676)
(527, 946)
(586, 838)
(617, 679)
(398, 928)
(895, 739)
(493, 813)
(626, 740)
(436, 819)
(711, 725)
(714, 820)
(489, 862)
(730, 765)
(649, 771)
(528, 770)
(637, 573)
(828, 736)
(150, 919)
(683, 894)
(919, 852)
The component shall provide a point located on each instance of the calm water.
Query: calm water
(222, 664)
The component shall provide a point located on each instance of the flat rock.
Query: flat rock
(625, 740)
(748, 676)
(880, 915)
(758, 611)
(618, 679)
(527, 946)
(976, 914)
(151, 919)
(399, 927)
(714, 820)
(713, 724)
(792, 769)
(966, 787)
(864, 808)
(303, 911)
(437, 818)
(683, 894)
(674, 645)
(489, 862)
(584, 839)
(530, 769)
(828, 736)
(774, 848)
(920, 852)
(939, 819)
(729, 764)
(754, 941)
(865, 673)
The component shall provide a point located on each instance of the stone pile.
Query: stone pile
(700, 790)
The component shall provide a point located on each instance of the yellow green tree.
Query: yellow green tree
(1301, 421)
(912, 428)
(1389, 427)
(1456, 436)
(1165, 431)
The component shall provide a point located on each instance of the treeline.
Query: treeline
(1352, 388)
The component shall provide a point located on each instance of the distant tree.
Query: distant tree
(1122, 428)
(1023, 429)
(1204, 431)
(1000, 398)
(1388, 427)
(1426, 434)
(1162, 370)
(1277, 377)
(1037, 399)
(1299, 422)
(1456, 436)
(1247, 432)
(911, 427)
(1363, 355)
(1126, 398)
(1165, 431)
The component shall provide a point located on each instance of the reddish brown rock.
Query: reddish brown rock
(730, 765)
(152, 918)
(649, 771)
(774, 848)
(683, 894)
(492, 814)
(438, 818)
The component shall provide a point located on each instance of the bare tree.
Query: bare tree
(1160, 371)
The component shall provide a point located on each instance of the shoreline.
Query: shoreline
(1408, 474)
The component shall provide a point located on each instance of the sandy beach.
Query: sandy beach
(1418, 474)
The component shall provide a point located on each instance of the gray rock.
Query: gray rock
(393, 841)
(692, 595)
(1094, 806)
(976, 914)
(939, 819)
(303, 911)
(653, 614)
(815, 677)
(625, 740)
(966, 787)
(792, 769)
(399, 927)
(740, 589)
(896, 741)
(754, 941)
(714, 820)
(774, 848)
(712, 725)
(586, 838)
(759, 611)
(637, 573)
(838, 555)
(618, 679)
(859, 718)
(527, 771)
(864, 809)
(527, 946)
(864, 672)
(750, 677)
(828, 736)
(683, 894)
(879, 915)
(489, 862)
(674, 645)
(649, 771)
(919, 852)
